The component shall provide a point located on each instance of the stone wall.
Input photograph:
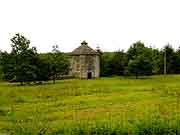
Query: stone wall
(81, 65)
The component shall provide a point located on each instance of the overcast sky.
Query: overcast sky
(111, 24)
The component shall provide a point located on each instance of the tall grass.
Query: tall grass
(108, 106)
(138, 127)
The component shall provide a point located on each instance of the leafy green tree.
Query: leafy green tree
(169, 54)
(42, 68)
(106, 69)
(140, 59)
(1, 67)
(58, 64)
(135, 50)
(141, 65)
(24, 68)
(1, 73)
(155, 61)
(119, 63)
(19, 65)
(177, 62)
(7, 66)
(25, 65)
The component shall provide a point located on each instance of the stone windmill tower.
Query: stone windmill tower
(85, 62)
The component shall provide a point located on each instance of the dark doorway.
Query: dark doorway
(89, 75)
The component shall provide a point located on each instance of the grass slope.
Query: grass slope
(117, 104)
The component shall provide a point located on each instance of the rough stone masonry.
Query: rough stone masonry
(85, 62)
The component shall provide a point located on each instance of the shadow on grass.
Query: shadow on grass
(134, 77)
(40, 83)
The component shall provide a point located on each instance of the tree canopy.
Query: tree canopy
(23, 64)
(141, 60)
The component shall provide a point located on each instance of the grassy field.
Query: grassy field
(108, 106)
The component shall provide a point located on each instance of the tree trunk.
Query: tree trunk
(21, 83)
(54, 79)
(136, 75)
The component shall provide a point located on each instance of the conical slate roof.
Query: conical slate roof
(84, 49)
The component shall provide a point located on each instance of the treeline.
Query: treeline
(141, 60)
(23, 64)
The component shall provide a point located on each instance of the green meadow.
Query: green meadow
(107, 106)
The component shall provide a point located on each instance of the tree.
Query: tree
(25, 68)
(135, 50)
(58, 63)
(7, 65)
(177, 61)
(20, 64)
(155, 61)
(167, 54)
(25, 65)
(1, 67)
(119, 62)
(106, 59)
(140, 59)
(140, 66)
